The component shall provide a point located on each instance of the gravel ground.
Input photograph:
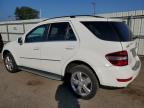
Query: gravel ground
(26, 90)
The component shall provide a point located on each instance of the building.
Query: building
(11, 30)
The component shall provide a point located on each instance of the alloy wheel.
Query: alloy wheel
(81, 83)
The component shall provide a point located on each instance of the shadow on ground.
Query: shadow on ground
(65, 97)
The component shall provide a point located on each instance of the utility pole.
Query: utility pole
(40, 13)
(94, 7)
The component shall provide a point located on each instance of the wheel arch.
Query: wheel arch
(79, 62)
(5, 52)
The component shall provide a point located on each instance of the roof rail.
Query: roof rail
(74, 16)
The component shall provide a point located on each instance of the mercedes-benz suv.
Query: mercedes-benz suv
(84, 51)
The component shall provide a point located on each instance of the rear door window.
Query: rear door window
(109, 31)
(61, 32)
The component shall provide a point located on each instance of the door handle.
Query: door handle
(36, 49)
(69, 47)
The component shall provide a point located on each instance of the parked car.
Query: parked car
(1, 43)
(84, 51)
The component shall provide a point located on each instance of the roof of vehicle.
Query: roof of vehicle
(81, 18)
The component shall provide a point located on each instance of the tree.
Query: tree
(24, 13)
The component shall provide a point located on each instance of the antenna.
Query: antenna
(94, 7)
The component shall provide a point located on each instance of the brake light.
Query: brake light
(118, 58)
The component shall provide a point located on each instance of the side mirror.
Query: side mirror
(20, 40)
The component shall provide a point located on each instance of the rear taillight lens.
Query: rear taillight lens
(118, 58)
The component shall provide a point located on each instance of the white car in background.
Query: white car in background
(84, 51)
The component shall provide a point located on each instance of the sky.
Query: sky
(54, 8)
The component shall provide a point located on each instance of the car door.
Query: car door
(60, 46)
(29, 51)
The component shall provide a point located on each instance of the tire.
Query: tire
(10, 63)
(83, 82)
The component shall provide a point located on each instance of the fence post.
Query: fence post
(8, 33)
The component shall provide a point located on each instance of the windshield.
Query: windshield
(110, 31)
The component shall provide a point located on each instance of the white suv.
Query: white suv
(84, 51)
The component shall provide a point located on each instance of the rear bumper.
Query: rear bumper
(119, 76)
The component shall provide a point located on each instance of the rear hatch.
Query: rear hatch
(115, 32)
(131, 48)
(128, 43)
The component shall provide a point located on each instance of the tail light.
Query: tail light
(118, 58)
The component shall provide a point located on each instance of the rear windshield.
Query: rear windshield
(110, 31)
